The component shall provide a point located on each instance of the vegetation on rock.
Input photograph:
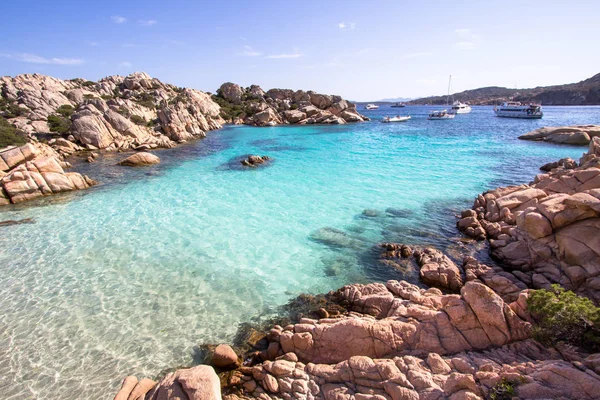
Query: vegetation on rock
(564, 316)
(65, 110)
(504, 390)
(10, 109)
(59, 124)
(9, 135)
(229, 111)
(136, 119)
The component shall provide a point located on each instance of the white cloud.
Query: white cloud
(147, 22)
(117, 19)
(125, 64)
(93, 43)
(417, 55)
(464, 45)
(250, 52)
(343, 25)
(464, 33)
(35, 59)
(285, 55)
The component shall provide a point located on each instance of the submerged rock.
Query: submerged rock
(17, 222)
(336, 238)
(140, 159)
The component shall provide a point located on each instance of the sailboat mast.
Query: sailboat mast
(448, 97)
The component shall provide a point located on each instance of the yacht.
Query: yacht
(397, 118)
(398, 105)
(515, 109)
(444, 114)
(371, 107)
(460, 108)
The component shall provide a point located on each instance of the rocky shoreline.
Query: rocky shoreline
(468, 336)
(62, 118)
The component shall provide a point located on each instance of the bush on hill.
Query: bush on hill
(9, 109)
(9, 135)
(229, 111)
(136, 119)
(66, 110)
(59, 124)
(563, 316)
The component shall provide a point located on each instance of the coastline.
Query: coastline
(397, 341)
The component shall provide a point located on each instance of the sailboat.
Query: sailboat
(444, 114)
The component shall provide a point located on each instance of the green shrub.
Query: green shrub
(88, 84)
(145, 99)
(107, 97)
(504, 390)
(563, 316)
(9, 135)
(152, 123)
(59, 124)
(66, 110)
(136, 119)
(11, 109)
(294, 107)
(89, 96)
(229, 111)
(124, 111)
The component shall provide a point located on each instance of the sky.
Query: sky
(361, 50)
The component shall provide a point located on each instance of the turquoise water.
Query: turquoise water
(130, 276)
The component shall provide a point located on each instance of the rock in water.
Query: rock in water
(140, 159)
(578, 134)
(197, 383)
(254, 161)
(224, 356)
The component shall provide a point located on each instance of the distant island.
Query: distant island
(586, 92)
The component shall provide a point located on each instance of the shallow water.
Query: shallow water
(128, 277)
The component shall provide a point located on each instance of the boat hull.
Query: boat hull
(520, 116)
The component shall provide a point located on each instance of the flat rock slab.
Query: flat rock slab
(575, 135)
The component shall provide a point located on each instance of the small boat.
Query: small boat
(371, 107)
(514, 109)
(444, 114)
(397, 118)
(399, 105)
(460, 108)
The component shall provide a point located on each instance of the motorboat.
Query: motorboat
(444, 114)
(371, 107)
(398, 105)
(460, 108)
(515, 109)
(397, 118)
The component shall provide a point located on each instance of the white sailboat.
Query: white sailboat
(444, 114)
(457, 106)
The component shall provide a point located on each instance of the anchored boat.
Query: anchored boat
(515, 109)
(398, 105)
(397, 118)
(371, 107)
(460, 108)
(444, 114)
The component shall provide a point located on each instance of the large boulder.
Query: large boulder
(224, 356)
(140, 159)
(231, 92)
(197, 383)
(577, 135)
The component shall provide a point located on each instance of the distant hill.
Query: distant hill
(395, 100)
(586, 92)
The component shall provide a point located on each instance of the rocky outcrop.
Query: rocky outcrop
(198, 383)
(256, 107)
(255, 161)
(578, 134)
(547, 231)
(31, 173)
(140, 159)
(115, 113)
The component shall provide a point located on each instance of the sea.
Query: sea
(132, 276)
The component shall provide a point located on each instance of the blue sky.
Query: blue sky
(362, 50)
